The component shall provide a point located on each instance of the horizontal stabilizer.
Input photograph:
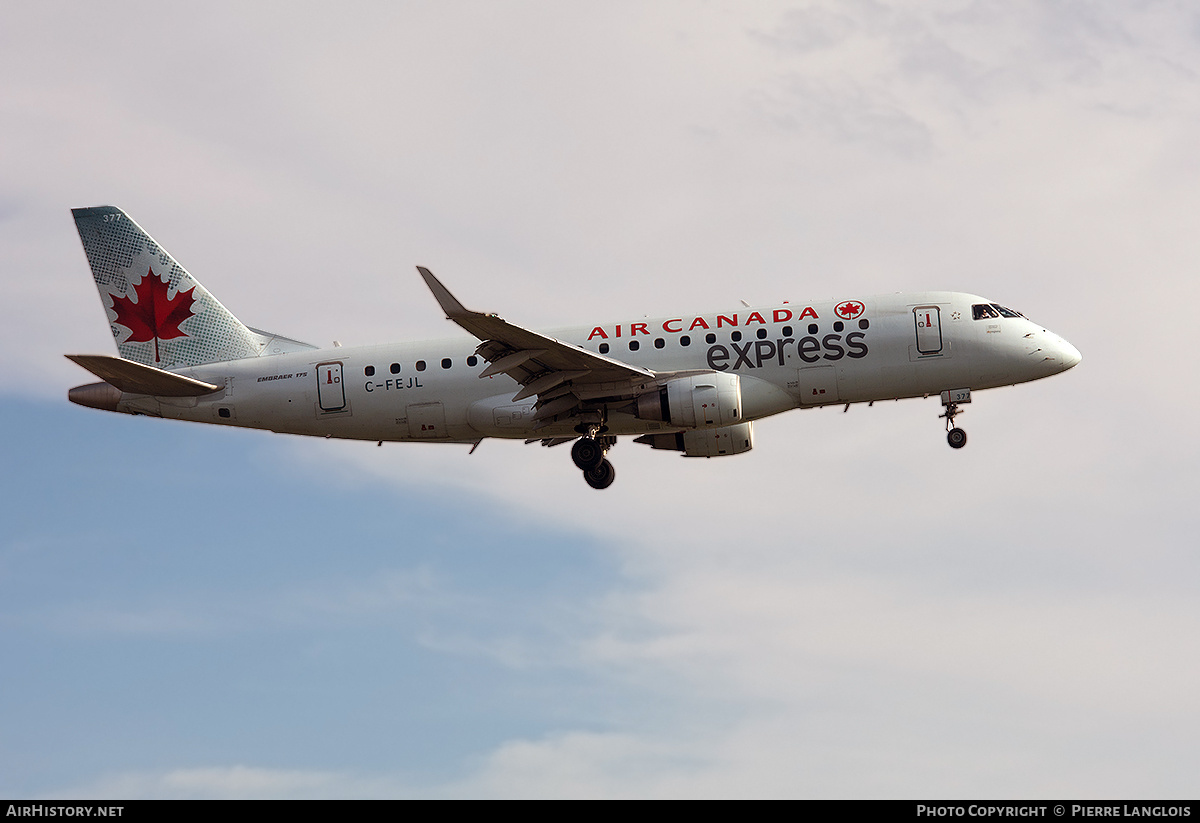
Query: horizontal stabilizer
(134, 378)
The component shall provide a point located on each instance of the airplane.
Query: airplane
(690, 383)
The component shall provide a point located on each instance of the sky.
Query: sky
(852, 609)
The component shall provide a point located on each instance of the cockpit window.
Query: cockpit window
(983, 311)
(1006, 312)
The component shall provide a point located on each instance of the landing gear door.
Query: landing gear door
(331, 392)
(929, 329)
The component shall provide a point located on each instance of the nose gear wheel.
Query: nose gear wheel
(956, 437)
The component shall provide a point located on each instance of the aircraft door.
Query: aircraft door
(817, 385)
(929, 329)
(426, 420)
(331, 392)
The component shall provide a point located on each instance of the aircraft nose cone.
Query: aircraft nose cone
(1069, 354)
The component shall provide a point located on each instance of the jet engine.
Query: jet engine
(716, 442)
(700, 401)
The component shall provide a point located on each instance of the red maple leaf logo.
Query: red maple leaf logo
(849, 309)
(154, 316)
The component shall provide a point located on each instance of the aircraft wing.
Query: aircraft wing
(565, 377)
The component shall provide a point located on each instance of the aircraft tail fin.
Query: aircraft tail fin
(159, 314)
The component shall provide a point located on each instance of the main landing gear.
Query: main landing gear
(588, 454)
(956, 437)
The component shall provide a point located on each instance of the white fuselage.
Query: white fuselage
(786, 356)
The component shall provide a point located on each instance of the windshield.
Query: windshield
(991, 311)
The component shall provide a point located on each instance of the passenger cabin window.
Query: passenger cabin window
(710, 338)
(982, 311)
(634, 345)
(446, 362)
(659, 342)
(787, 331)
(685, 341)
(395, 368)
(839, 326)
(812, 328)
(420, 365)
(762, 334)
(369, 371)
(604, 348)
(736, 336)
(472, 361)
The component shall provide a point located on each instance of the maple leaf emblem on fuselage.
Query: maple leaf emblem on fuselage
(849, 309)
(154, 316)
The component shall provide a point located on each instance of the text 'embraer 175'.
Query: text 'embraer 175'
(692, 383)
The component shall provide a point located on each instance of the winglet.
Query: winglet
(446, 300)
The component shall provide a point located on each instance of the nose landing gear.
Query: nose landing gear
(588, 454)
(956, 437)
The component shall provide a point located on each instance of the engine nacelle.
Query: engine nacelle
(705, 442)
(698, 402)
